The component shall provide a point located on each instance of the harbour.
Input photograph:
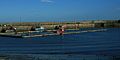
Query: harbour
(59, 30)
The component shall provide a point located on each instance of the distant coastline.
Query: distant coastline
(70, 25)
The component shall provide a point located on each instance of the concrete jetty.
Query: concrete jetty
(50, 34)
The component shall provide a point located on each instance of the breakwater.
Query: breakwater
(31, 34)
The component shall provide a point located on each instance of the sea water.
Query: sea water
(91, 43)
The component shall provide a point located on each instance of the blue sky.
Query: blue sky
(58, 10)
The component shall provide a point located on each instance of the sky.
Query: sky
(58, 10)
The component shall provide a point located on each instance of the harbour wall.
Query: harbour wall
(69, 25)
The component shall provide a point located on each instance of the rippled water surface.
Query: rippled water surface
(100, 43)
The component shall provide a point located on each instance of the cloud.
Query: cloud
(118, 8)
(46, 1)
